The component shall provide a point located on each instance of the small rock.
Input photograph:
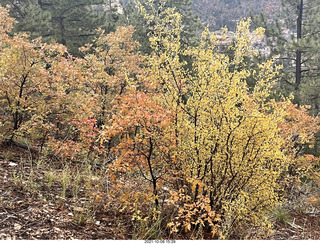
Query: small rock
(97, 222)
(56, 229)
(12, 164)
(70, 214)
(17, 226)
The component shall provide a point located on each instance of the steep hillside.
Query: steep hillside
(220, 13)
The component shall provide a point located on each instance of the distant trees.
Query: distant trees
(221, 13)
(192, 26)
(31, 18)
(294, 36)
(71, 23)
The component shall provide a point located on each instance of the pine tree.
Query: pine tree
(74, 22)
(191, 24)
(69, 22)
(294, 36)
(30, 18)
(132, 17)
(192, 27)
(220, 13)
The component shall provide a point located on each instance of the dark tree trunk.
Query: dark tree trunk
(298, 53)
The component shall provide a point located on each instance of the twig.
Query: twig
(10, 216)
(295, 225)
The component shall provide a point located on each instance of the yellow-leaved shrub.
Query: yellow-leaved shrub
(228, 142)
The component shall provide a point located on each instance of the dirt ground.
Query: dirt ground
(302, 227)
(30, 211)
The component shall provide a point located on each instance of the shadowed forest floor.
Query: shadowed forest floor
(35, 206)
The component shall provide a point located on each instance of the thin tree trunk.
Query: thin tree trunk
(299, 36)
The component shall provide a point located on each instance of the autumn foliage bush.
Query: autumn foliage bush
(205, 145)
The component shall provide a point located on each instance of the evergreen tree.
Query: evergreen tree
(132, 17)
(294, 36)
(30, 18)
(192, 26)
(74, 22)
(69, 22)
(220, 13)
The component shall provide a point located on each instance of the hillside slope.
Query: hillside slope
(220, 13)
